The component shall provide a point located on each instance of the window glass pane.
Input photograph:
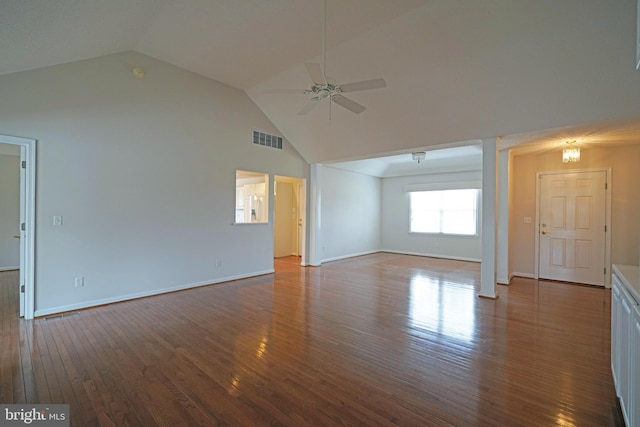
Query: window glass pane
(459, 222)
(446, 211)
(426, 222)
(427, 199)
(459, 199)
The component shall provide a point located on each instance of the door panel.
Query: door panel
(558, 252)
(572, 221)
(558, 212)
(583, 253)
(583, 213)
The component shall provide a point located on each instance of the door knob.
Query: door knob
(543, 232)
(16, 236)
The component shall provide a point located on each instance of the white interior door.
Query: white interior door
(572, 227)
(23, 220)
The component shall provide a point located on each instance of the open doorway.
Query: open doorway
(18, 158)
(289, 196)
(9, 228)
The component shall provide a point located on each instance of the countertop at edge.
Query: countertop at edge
(630, 276)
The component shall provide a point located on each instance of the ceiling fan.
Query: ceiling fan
(324, 87)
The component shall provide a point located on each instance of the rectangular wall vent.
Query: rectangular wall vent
(261, 138)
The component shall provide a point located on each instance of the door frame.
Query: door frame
(29, 205)
(302, 215)
(607, 219)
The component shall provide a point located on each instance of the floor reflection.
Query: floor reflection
(450, 313)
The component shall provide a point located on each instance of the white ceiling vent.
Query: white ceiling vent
(267, 140)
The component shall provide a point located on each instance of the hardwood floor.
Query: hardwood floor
(382, 339)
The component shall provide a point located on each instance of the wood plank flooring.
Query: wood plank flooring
(382, 339)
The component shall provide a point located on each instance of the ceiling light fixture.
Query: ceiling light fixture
(138, 72)
(571, 153)
(418, 156)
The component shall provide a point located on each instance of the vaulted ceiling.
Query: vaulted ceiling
(532, 72)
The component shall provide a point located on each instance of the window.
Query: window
(252, 197)
(445, 212)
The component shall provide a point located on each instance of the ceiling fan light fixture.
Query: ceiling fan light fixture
(418, 156)
(571, 153)
(323, 93)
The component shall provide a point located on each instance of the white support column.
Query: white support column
(502, 258)
(489, 204)
(315, 225)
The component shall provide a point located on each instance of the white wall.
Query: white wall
(143, 173)
(9, 211)
(395, 221)
(350, 213)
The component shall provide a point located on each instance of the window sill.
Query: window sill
(250, 223)
(461, 236)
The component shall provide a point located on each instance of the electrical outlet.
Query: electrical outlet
(218, 263)
(79, 282)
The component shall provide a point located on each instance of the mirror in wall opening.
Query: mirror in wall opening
(252, 197)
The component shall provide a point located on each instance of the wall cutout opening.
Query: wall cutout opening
(252, 197)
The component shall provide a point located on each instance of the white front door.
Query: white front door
(572, 227)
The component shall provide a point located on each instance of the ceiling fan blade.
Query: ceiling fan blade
(349, 104)
(286, 91)
(315, 72)
(363, 85)
(308, 106)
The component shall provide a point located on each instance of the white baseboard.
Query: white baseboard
(337, 258)
(121, 298)
(525, 275)
(507, 282)
(431, 255)
(15, 267)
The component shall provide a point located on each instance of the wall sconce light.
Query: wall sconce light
(418, 156)
(571, 153)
